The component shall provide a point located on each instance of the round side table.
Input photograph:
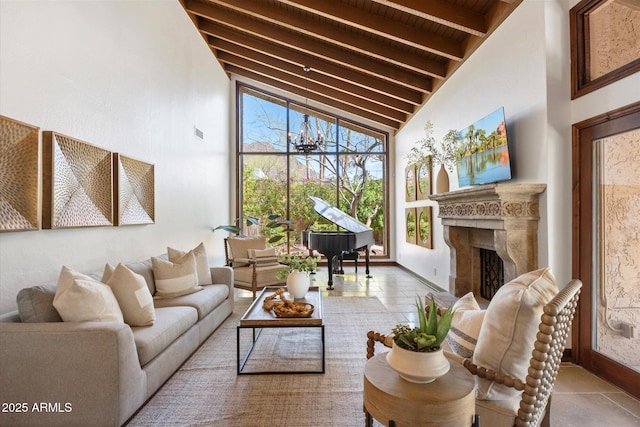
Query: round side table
(393, 401)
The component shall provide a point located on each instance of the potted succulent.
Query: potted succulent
(416, 353)
(296, 271)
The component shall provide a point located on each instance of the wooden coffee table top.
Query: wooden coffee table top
(256, 316)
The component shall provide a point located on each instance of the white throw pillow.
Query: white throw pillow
(173, 279)
(465, 326)
(132, 293)
(79, 298)
(202, 262)
(509, 331)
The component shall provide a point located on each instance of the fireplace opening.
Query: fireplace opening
(491, 273)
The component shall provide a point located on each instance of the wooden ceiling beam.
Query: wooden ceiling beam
(394, 124)
(375, 24)
(228, 52)
(310, 88)
(272, 39)
(391, 88)
(443, 13)
(218, 10)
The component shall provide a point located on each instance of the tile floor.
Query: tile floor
(580, 397)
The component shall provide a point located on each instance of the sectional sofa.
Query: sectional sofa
(99, 373)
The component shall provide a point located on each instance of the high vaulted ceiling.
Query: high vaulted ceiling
(377, 59)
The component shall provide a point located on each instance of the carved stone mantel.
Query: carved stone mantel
(499, 217)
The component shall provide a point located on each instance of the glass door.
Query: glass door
(607, 245)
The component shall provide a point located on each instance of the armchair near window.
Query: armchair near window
(513, 393)
(254, 265)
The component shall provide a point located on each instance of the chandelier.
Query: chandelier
(304, 141)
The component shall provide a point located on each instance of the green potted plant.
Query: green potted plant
(296, 271)
(428, 150)
(416, 353)
(276, 227)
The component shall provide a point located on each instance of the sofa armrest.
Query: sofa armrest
(64, 373)
(223, 275)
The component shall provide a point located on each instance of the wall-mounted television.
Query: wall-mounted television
(482, 154)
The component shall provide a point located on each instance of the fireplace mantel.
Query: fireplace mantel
(500, 217)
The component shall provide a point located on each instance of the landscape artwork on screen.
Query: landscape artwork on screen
(482, 154)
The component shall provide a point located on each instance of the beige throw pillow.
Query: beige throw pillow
(202, 262)
(173, 279)
(132, 294)
(509, 330)
(465, 326)
(79, 298)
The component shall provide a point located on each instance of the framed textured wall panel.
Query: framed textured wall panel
(77, 183)
(19, 175)
(133, 191)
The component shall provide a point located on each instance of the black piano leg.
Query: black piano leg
(367, 263)
(330, 269)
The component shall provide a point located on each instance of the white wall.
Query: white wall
(131, 77)
(525, 67)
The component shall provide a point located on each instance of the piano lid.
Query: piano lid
(338, 217)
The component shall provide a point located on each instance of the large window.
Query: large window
(348, 170)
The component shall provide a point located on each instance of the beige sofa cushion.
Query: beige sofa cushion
(173, 279)
(509, 330)
(171, 323)
(202, 262)
(79, 298)
(132, 293)
(35, 304)
(145, 269)
(204, 301)
(465, 326)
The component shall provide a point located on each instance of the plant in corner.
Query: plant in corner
(276, 228)
(416, 354)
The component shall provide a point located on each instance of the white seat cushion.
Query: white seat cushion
(509, 330)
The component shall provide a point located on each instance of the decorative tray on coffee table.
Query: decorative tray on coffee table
(286, 308)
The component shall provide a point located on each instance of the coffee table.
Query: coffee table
(449, 401)
(257, 318)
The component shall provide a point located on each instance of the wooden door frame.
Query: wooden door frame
(583, 133)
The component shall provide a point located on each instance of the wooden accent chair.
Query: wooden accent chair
(536, 388)
(254, 265)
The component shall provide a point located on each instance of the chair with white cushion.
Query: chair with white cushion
(519, 349)
(254, 265)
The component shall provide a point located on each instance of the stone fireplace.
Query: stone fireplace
(495, 217)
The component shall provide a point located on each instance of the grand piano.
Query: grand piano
(334, 243)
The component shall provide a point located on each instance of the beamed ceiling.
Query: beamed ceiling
(378, 59)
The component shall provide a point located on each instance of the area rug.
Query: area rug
(206, 391)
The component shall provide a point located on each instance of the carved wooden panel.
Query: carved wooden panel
(19, 175)
(423, 178)
(77, 183)
(133, 191)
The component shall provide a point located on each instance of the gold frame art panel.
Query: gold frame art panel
(133, 191)
(423, 179)
(410, 183)
(411, 238)
(424, 237)
(19, 175)
(77, 183)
